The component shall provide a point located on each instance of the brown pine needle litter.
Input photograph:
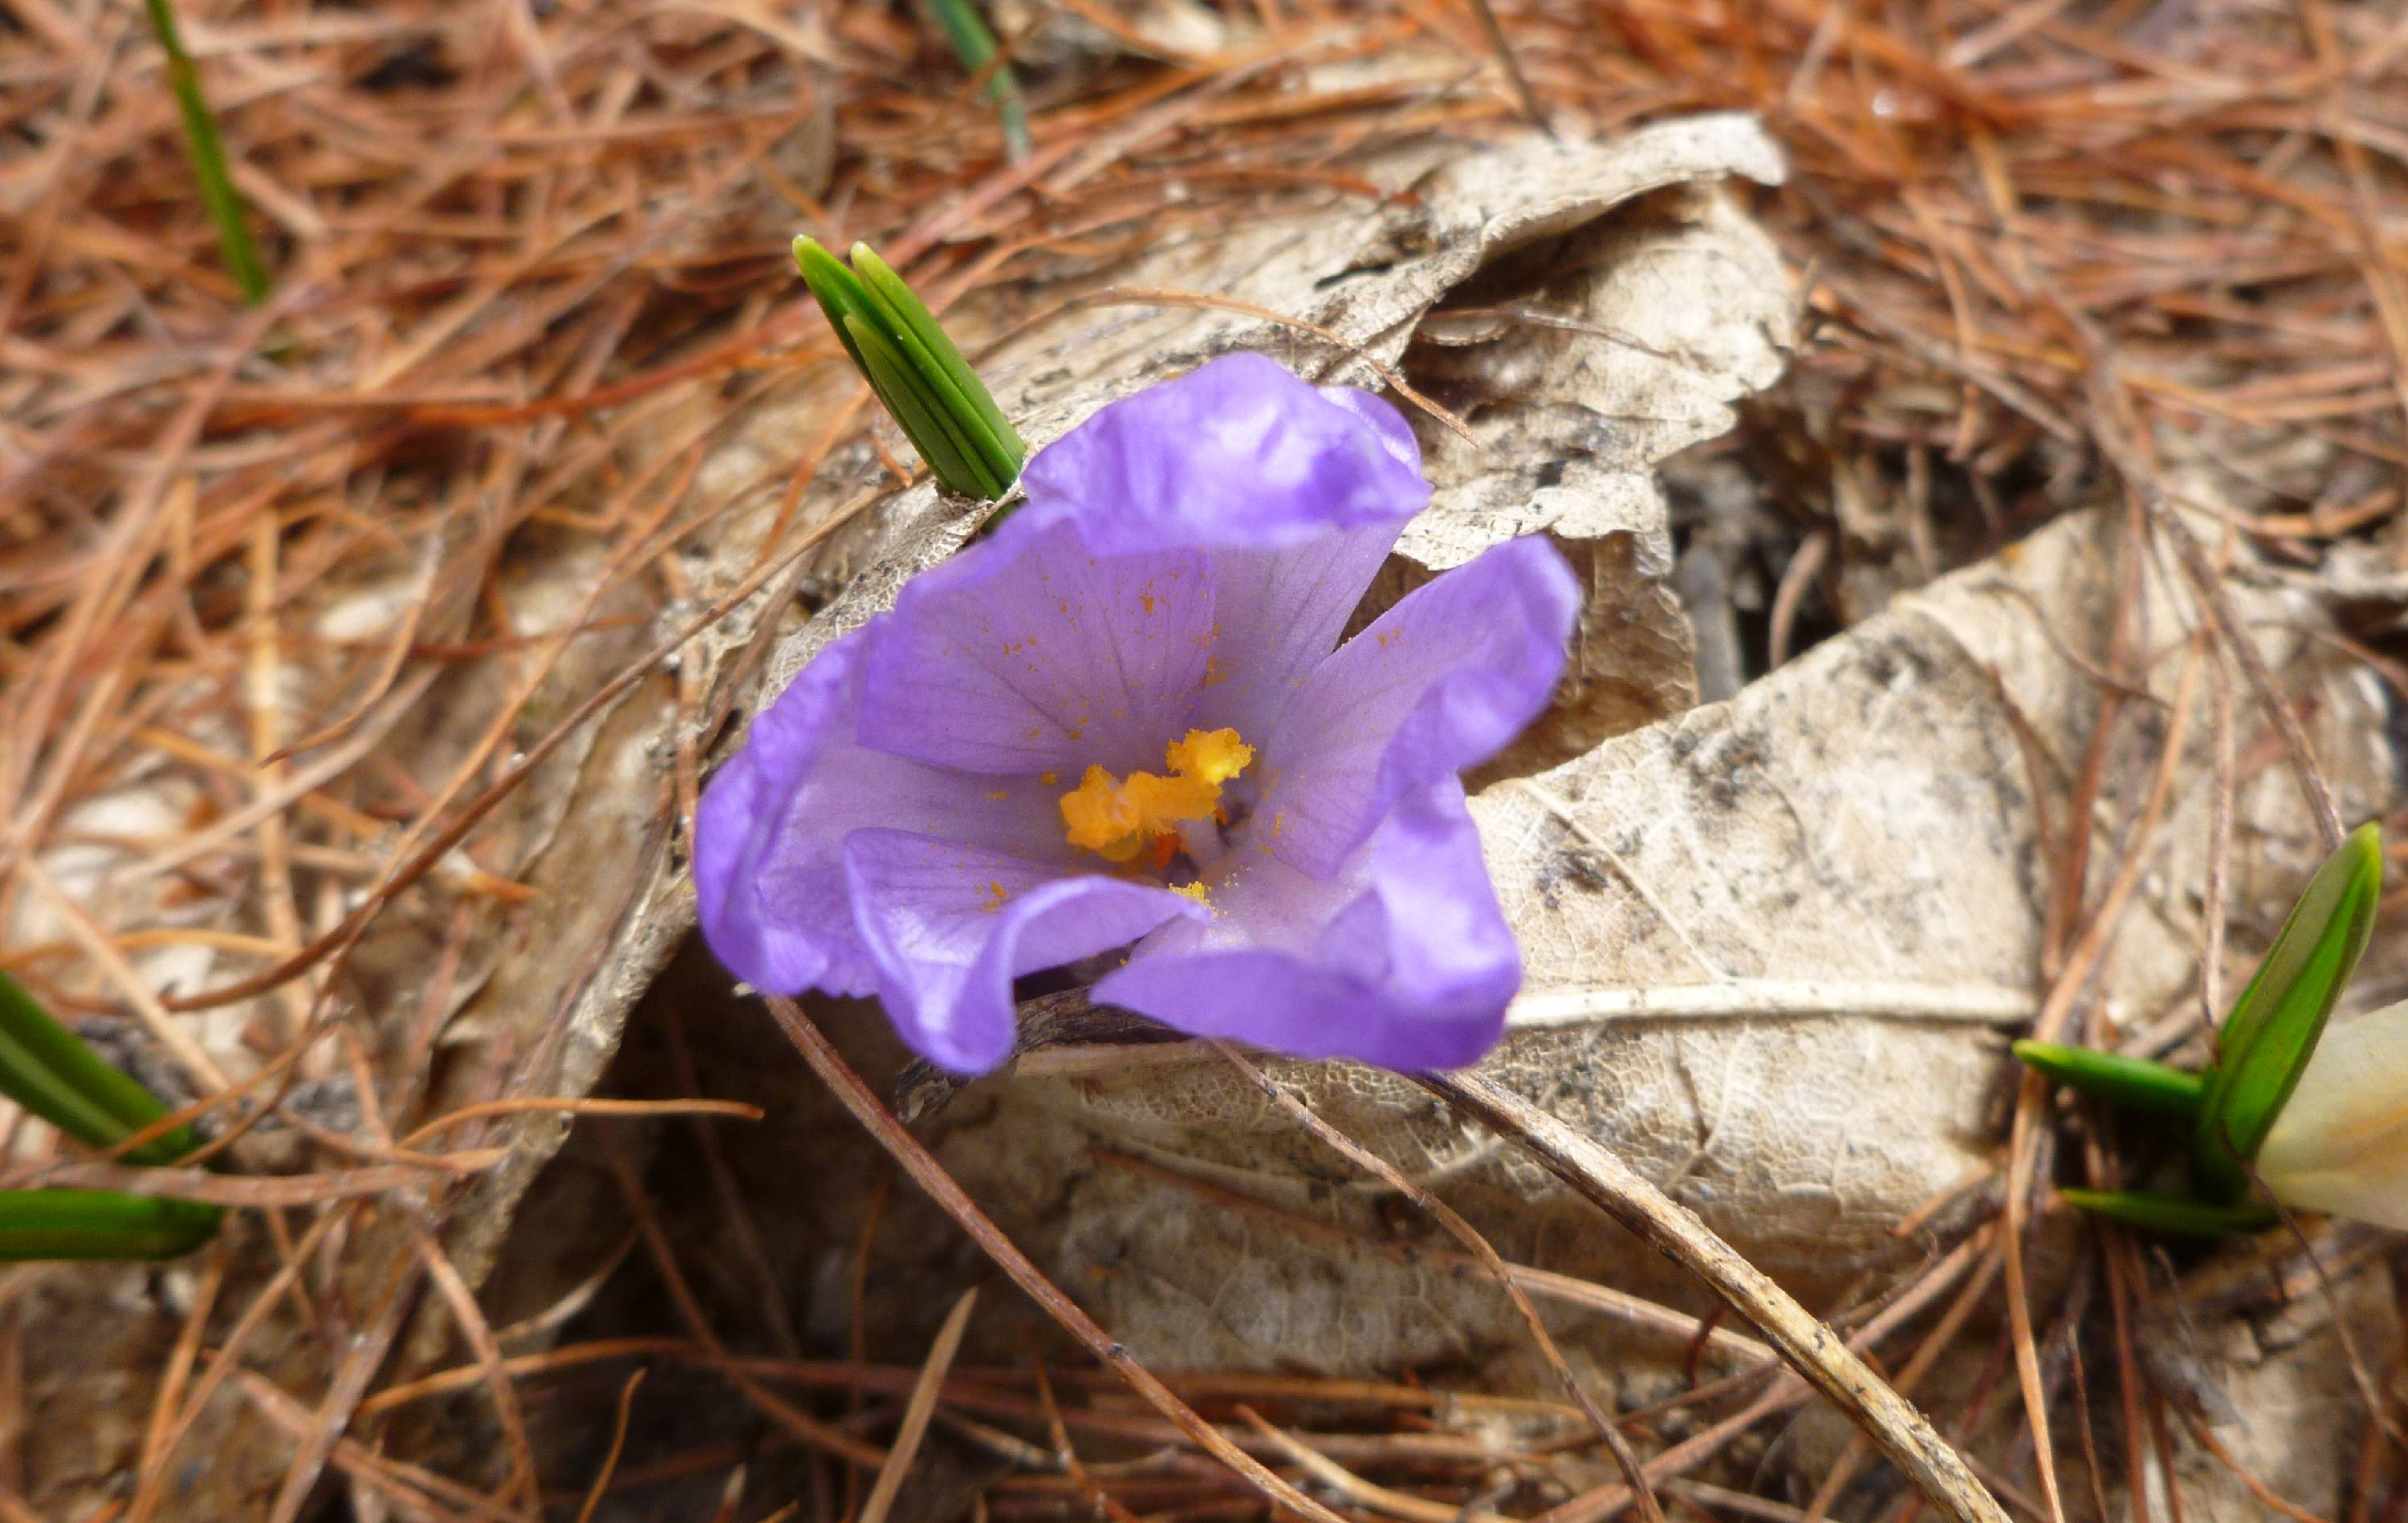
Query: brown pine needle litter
(528, 265)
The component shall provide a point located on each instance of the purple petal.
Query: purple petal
(1395, 435)
(1439, 683)
(1238, 453)
(1033, 653)
(948, 927)
(1402, 959)
(768, 870)
(1276, 616)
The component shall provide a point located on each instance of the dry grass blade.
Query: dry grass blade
(930, 1175)
(413, 1489)
(601, 1486)
(1464, 1232)
(470, 1320)
(1811, 1349)
(363, 1355)
(2098, 937)
(914, 1427)
(1356, 1489)
(800, 1424)
(267, 1193)
(532, 1104)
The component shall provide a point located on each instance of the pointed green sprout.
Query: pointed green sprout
(2267, 1040)
(974, 45)
(917, 372)
(51, 1072)
(2133, 1083)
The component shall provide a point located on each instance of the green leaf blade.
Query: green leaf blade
(949, 457)
(2273, 1029)
(206, 151)
(2133, 1083)
(85, 1224)
(975, 45)
(839, 293)
(51, 1072)
(933, 348)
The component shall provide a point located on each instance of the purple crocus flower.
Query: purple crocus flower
(1121, 719)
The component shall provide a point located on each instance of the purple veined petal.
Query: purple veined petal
(1441, 682)
(1402, 959)
(1034, 652)
(1277, 615)
(768, 877)
(948, 927)
(1238, 453)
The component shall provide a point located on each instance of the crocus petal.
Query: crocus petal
(1441, 682)
(949, 928)
(2341, 1145)
(1276, 616)
(1402, 959)
(1388, 425)
(768, 874)
(1034, 652)
(1237, 454)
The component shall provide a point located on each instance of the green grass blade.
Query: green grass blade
(949, 456)
(974, 45)
(208, 153)
(2135, 1083)
(931, 347)
(2170, 1213)
(2273, 1029)
(49, 1070)
(101, 1224)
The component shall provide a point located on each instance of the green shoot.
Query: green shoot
(49, 1070)
(101, 1224)
(917, 372)
(2135, 1083)
(975, 45)
(208, 153)
(2266, 1042)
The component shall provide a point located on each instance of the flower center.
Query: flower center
(1124, 820)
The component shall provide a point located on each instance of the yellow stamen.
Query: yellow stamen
(1213, 755)
(1117, 820)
